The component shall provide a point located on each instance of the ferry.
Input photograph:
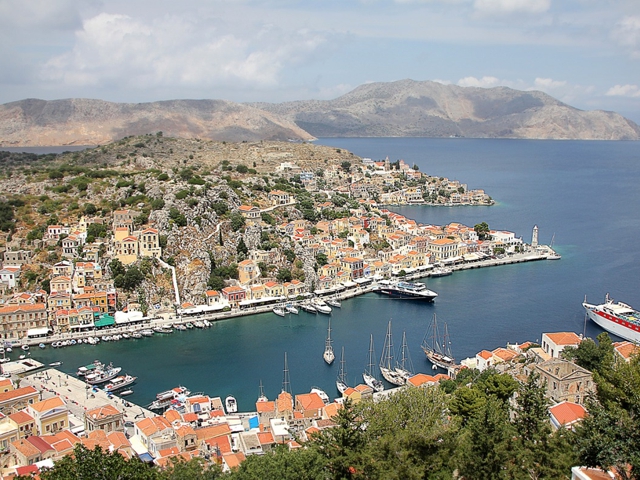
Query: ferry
(615, 317)
(406, 290)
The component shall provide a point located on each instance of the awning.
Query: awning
(38, 332)
(83, 325)
(105, 321)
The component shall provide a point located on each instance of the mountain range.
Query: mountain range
(404, 108)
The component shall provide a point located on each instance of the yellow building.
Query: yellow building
(50, 415)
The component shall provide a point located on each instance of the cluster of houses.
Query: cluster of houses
(81, 296)
(36, 431)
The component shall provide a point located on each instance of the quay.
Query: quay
(79, 396)
(542, 253)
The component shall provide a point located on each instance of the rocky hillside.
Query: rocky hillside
(35, 122)
(410, 108)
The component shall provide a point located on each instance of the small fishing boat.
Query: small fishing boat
(42, 345)
(206, 323)
(119, 382)
(180, 327)
(307, 307)
(25, 347)
(231, 405)
(189, 325)
(125, 393)
(291, 308)
(334, 303)
(281, 312)
(198, 324)
(322, 307)
(163, 329)
(55, 364)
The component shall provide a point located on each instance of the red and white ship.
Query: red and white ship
(616, 317)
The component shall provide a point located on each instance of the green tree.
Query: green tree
(237, 221)
(594, 357)
(194, 469)
(284, 275)
(482, 229)
(346, 166)
(322, 259)
(90, 209)
(283, 464)
(117, 268)
(486, 446)
(242, 247)
(97, 464)
(344, 446)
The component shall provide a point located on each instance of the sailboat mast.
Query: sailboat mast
(286, 382)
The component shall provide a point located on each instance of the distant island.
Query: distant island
(405, 108)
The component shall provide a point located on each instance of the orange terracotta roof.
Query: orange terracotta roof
(262, 407)
(25, 307)
(118, 440)
(309, 401)
(213, 431)
(485, 354)
(103, 412)
(233, 460)
(266, 438)
(626, 349)
(21, 417)
(172, 415)
(421, 379)
(567, 413)
(151, 425)
(48, 404)
(190, 417)
(564, 338)
(25, 448)
(17, 393)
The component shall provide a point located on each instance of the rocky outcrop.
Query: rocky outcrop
(409, 108)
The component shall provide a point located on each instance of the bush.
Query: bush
(182, 194)
(163, 177)
(157, 204)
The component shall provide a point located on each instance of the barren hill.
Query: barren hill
(94, 122)
(409, 108)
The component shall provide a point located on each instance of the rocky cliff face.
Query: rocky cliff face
(409, 108)
(35, 122)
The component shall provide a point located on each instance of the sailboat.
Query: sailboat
(286, 382)
(328, 354)
(553, 255)
(387, 367)
(368, 375)
(341, 382)
(262, 397)
(404, 368)
(438, 348)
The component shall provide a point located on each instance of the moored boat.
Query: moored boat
(387, 367)
(307, 307)
(615, 317)
(102, 376)
(341, 381)
(82, 371)
(120, 382)
(163, 329)
(322, 307)
(406, 290)
(328, 354)
(125, 393)
(334, 303)
(281, 312)
(369, 375)
(231, 405)
(441, 272)
(291, 308)
(437, 347)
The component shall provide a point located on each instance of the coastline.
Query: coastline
(543, 253)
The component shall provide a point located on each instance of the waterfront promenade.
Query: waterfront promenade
(171, 319)
(79, 396)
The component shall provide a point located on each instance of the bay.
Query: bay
(586, 193)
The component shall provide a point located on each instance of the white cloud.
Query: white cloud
(484, 82)
(443, 82)
(548, 84)
(180, 51)
(502, 7)
(624, 91)
(627, 34)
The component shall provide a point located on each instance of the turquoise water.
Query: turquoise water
(585, 192)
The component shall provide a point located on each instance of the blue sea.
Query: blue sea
(586, 193)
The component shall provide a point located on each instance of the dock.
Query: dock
(79, 396)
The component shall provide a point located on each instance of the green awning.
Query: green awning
(105, 321)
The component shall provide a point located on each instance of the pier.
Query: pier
(80, 396)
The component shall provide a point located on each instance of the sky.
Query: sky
(583, 52)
